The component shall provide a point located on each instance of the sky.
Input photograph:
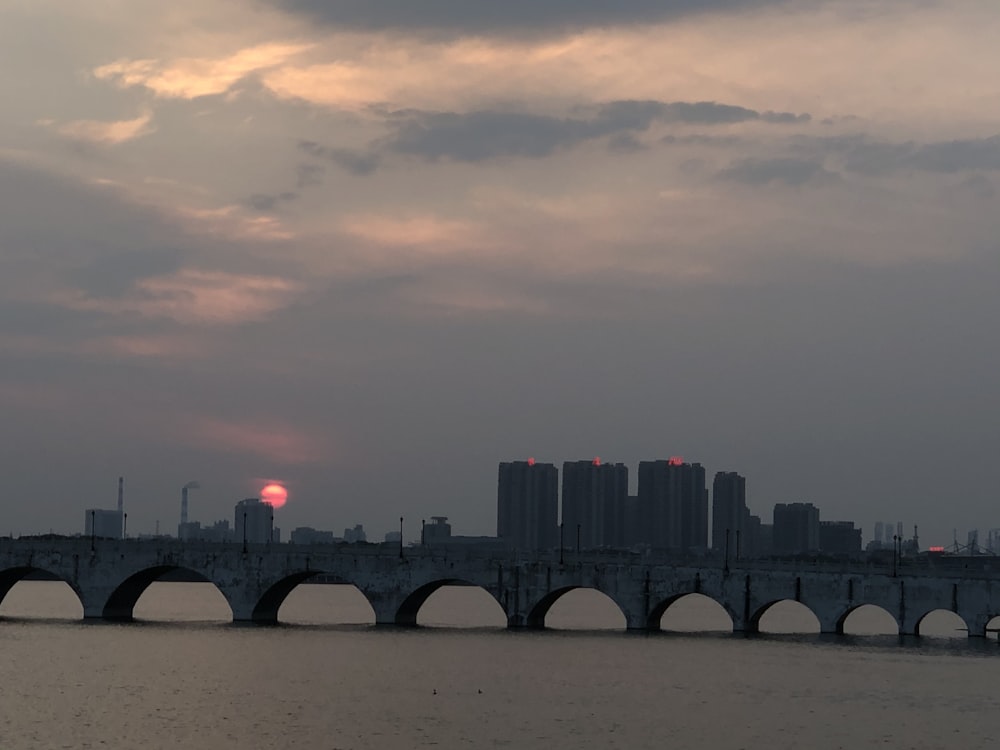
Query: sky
(370, 248)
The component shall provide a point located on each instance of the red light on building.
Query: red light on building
(596, 461)
(675, 461)
(935, 549)
(531, 462)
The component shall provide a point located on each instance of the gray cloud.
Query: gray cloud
(308, 175)
(784, 117)
(114, 275)
(356, 162)
(485, 17)
(267, 202)
(787, 170)
(490, 134)
(864, 155)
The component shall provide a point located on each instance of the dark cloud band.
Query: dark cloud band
(467, 16)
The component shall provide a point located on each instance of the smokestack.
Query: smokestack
(121, 494)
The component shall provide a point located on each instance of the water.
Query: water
(183, 677)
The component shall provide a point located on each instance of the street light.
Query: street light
(895, 540)
(93, 529)
(400, 537)
(125, 526)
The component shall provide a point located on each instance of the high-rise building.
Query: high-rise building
(729, 513)
(254, 521)
(594, 495)
(796, 529)
(673, 503)
(528, 504)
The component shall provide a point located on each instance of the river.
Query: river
(182, 676)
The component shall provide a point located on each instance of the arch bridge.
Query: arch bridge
(109, 576)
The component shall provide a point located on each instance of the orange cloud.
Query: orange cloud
(195, 296)
(191, 77)
(113, 132)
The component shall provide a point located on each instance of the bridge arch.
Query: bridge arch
(787, 603)
(717, 607)
(535, 618)
(941, 623)
(872, 612)
(406, 612)
(120, 604)
(265, 610)
(12, 576)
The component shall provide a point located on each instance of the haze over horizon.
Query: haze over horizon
(371, 249)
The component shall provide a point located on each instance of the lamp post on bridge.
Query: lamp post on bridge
(125, 526)
(895, 544)
(93, 528)
(400, 537)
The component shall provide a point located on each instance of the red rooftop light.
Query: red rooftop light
(596, 461)
(531, 462)
(675, 461)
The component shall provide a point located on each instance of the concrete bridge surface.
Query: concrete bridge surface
(109, 576)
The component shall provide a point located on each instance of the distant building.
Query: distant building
(105, 524)
(309, 535)
(673, 505)
(528, 505)
(255, 521)
(438, 531)
(730, 517)
(796, 529)
(357, 534)
(438, 534)
(752, 539)
(594, 496)
(391, 536)
(876, 542)
(220, 531)
(839, 538)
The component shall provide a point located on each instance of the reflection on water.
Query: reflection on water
(457, 607)
(183, 677)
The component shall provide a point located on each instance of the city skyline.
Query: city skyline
(367, 250)
(531, 513)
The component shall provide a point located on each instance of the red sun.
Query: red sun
(274, 495)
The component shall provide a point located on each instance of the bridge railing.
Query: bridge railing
(924, 565)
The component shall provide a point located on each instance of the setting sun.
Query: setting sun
(274, 495)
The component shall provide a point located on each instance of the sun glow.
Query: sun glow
(274, 495)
